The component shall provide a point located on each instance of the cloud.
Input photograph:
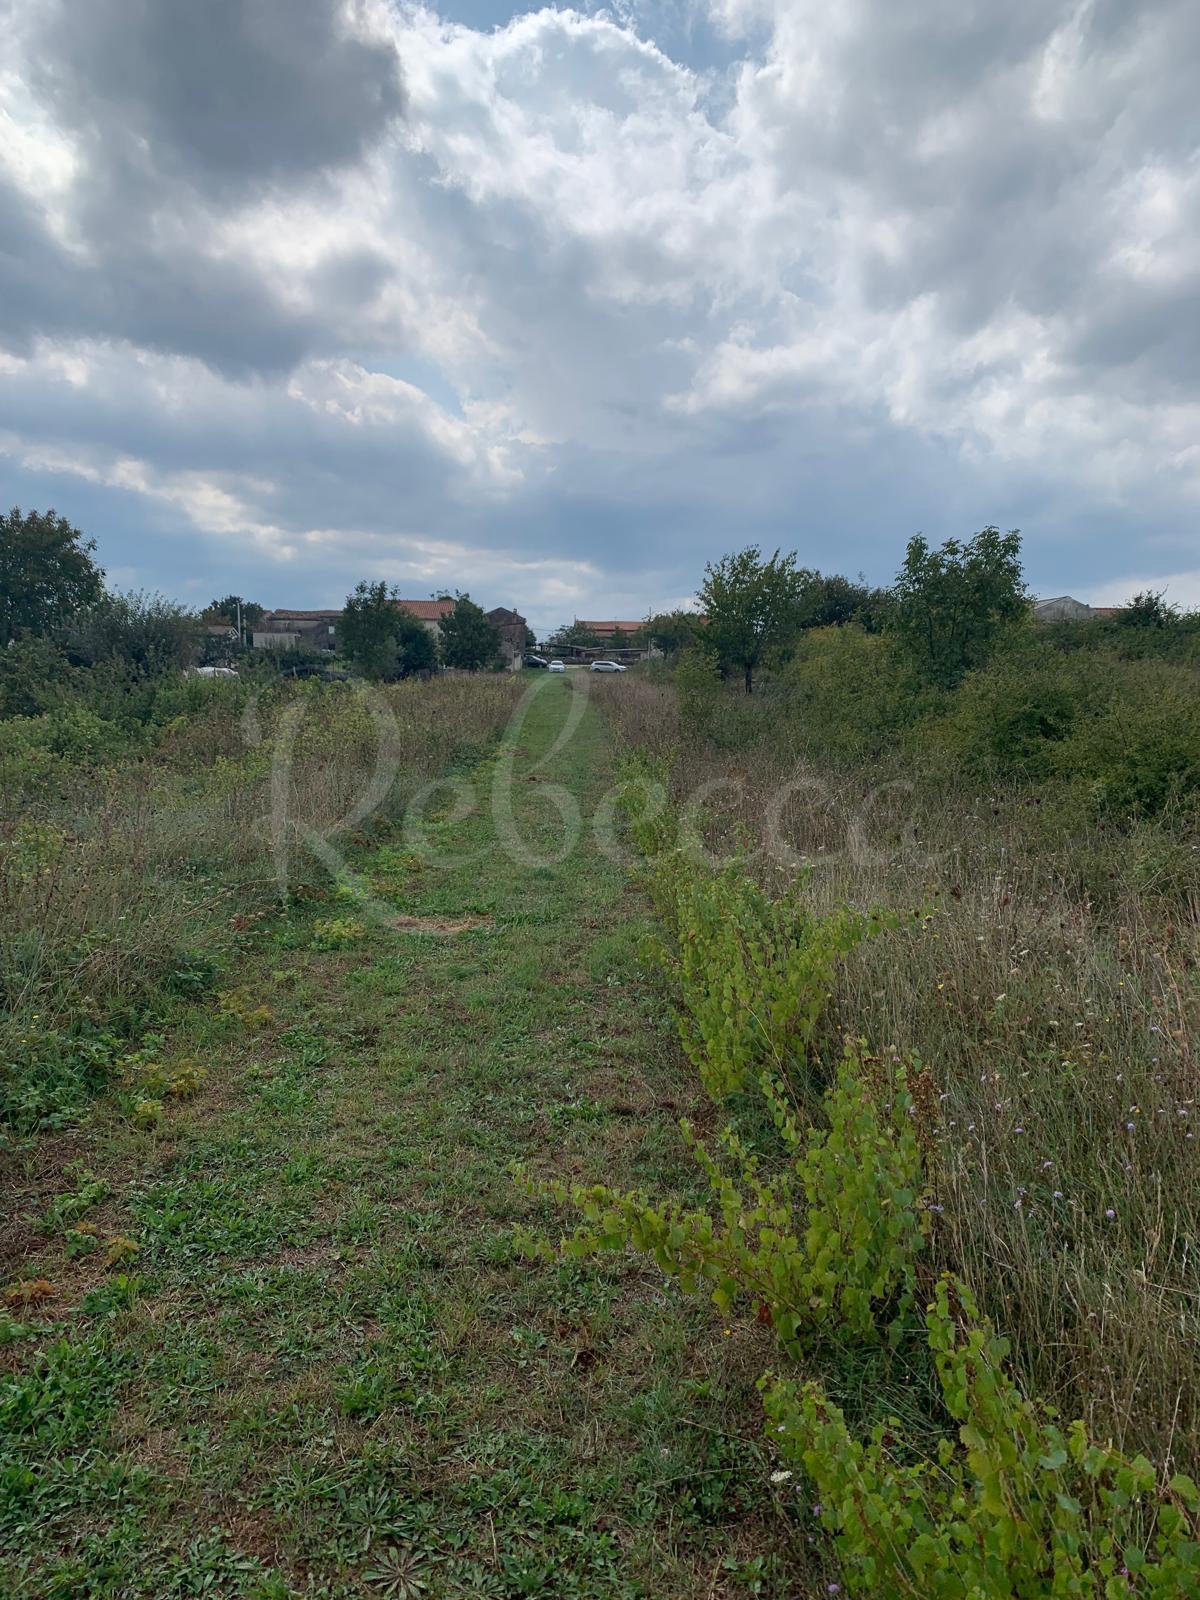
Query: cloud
(225, 96)
(587, 299)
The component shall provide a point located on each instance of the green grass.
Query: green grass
(328, 1370)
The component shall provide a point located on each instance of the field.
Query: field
(326, 1369)
(355, 1247)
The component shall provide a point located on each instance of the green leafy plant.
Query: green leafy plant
(754, 972)
(1016, 1506)
(826, 1243)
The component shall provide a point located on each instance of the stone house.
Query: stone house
(512, 627)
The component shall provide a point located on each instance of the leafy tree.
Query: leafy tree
(47, 574)
(227, 611)
(530, 639)
(574, 633)
(831, 601)
(35, 676)
(671, 631)
(143, 632)
(1148, 610)
(754, 609)
(952, 604)
(380, 638)
(469, 640)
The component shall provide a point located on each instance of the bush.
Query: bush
(145, 632)
(754, 972)
(1125, 734)
(826, 1245)
(849, 693)
(1015, 1507)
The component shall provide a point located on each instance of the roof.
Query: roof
(505, 614)
(427, 610)
(610, 627)
(286, 615)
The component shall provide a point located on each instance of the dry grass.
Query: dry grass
(1054, 996)
(122, 884)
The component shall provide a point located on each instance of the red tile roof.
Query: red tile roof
(610, 627)
(427, 610)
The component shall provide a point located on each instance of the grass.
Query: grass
(327, 1370)
(1049, 985)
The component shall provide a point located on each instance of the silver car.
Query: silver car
(607, 666)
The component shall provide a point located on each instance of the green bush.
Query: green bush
(1014, 1508)
(825, 1245)
(849, 693)
(1123, 734)
(1141, 753)
(754, 972)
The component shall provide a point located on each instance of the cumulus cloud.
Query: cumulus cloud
(584, 299)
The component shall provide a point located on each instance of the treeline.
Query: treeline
(73, 650)
(948, 608)
(949, 669)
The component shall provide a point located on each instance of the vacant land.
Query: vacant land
(268, 1329)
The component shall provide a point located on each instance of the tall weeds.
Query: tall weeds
(1050, 992)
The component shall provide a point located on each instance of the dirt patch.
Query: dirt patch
(439, 926)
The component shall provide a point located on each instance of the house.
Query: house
(286, 629)
(296, 630)
(430, 612)
(1065, 608)
(512, 628)
(620, 635)
(619, 641)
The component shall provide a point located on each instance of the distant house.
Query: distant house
(296, 630)
(1065, 608)
(511, 626)
(618, 641)
(430, 612)
(619, 634)
(286, 629)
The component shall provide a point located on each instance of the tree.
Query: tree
(671, 631)
(381, 639)
(227, 611)
(144, 632)
(47, 574)
(1148, 610)
(832, 600)
(574, 633)
(469, 640)
(754, 609)
(952, 604)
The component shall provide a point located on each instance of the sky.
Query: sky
(554, 306)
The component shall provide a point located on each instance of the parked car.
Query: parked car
(535, 661)
(557, 666)
(607, 666)
(215, 672)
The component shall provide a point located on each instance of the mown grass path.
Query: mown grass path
(337, 1375)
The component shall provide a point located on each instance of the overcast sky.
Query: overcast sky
(556, 305)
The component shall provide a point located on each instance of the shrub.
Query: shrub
(1015, 1507)
(754, 972)
(848, 693)
(824, 1245)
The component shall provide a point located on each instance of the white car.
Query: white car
(557, 666)
(215, 672)
(607, 666)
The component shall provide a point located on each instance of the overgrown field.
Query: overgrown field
(948, 1012)
(142, 832)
